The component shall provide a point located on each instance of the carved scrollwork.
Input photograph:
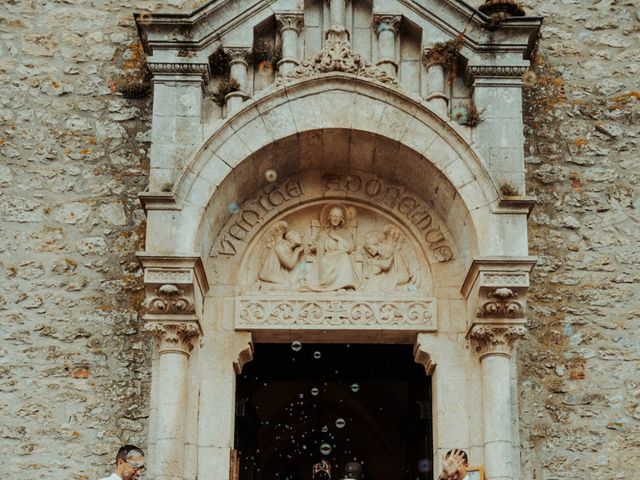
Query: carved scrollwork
(495, 340)
(169, 298)
(173, 337)
(290, 21)
(325, 312)
(337, 56)
(384, 22)
(501, 304)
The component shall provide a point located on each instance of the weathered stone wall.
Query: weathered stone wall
(579, 384)
(74, 369)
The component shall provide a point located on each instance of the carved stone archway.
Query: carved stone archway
(338, 132)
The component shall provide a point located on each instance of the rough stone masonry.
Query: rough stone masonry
(74, 364)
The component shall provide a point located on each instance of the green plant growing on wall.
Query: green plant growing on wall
(500, 10)
(265, 50)
(219, 62)
(508, 189)
(445, 54)
(225, 87)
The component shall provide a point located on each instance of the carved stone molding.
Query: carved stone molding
(386, 22)
(423, 357)
(337, 56)
(504, 72)
(495, 339)
(181, 69)
(238, 55)
(290, 21)
(326, 312)
(174, 287)
(173, 337)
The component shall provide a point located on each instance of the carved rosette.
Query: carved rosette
(386, 22)
(495, 339)
(290, 21)
(173, 337)
(337, 56)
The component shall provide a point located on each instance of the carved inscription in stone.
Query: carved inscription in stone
(323, 311)
(399, 200)
(253, 212)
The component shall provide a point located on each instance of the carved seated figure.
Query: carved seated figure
(385, 268)
(285, 250)
(334, 268)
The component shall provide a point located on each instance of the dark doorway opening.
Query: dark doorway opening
(298, 404)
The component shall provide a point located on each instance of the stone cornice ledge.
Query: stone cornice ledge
(158, 201)
(515, 204)
(506, 264)
(169, 263)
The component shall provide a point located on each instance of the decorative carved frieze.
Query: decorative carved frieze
(180, 69)
(337, 56)
(495, 339)
(290, 21)
(326, 312)
(497, 70)
(386, 22)
(173, 337)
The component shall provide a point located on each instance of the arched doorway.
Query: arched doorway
(297, 404)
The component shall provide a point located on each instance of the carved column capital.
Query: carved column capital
(290, 21)
(173, 337)
(238, 55)
(174, 287)
(495, 339)
(180, 71)
(386, 22)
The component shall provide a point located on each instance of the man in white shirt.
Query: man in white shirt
(454, 465)
(129, 464)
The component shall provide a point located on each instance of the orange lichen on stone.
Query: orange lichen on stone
(580, 142)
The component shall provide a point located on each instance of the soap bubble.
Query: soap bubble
(424, 465)
(296, 346)
(234, 208)
(271, 175)
(317, 355)
(302, 395)
(325, 429)
(340, 423)
(314, 391)
(355, 388)
(325, 449)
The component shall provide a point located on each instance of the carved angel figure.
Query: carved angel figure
(285, 250)
(334, 267)
(385, 268)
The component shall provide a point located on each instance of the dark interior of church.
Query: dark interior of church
(298, 404)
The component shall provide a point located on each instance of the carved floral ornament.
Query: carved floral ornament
(169, 299)
(290, 21)
(173, 337)
(337, 56)
(501, 302)
(495, 339)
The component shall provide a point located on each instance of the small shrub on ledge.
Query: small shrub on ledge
(225, 87)
(500, 10)
(445, 54)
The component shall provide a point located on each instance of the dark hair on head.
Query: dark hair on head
(125, 450)
(464, 455)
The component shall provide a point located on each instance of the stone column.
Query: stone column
(496, 288)
(174, 342)
(497, 93)
(174, 289)
(494, 344)
(239, 63)
(386, 27)
(177, 118)
(337, 21)
(290, 25)
(437, 85)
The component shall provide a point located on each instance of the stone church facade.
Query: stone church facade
(184, 184)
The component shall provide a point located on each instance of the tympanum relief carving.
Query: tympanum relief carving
(337, 247)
